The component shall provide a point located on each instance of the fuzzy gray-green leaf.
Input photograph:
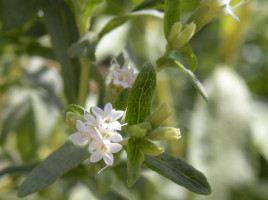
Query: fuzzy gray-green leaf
(178, 171)
(134, 161)
(165, 62)
(65, 158)
(140, 97)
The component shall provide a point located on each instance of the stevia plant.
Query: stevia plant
(124, 120)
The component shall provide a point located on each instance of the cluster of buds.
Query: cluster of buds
(152, 129)
(179, 36)
(100, 130)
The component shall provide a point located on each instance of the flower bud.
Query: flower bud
(136, 131)
(175, 30)
(184, 36)
(164, 133)
(149, 147)
(71, 119)
(159, 115)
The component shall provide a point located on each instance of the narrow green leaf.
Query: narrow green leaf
(178, 171)
(134, 161)
(120, 102)
(64, 32)
(117, 21)
(85, 47)
(18, 170)
(74, 108)
(140, 97)
(65, 158)
(148, 147)
(15, 13)
(172, 15)
(190, 57)
(150, 4)
(164, 62)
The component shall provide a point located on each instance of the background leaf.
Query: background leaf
(172, 15)
(63, 30)
(117, 21)
(15, 13)
(65, 158)
(140, 97)
(164, 62)
(178, 171)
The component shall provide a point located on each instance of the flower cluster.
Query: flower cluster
(124, 76)
(100, 129)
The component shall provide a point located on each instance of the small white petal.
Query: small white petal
(95, 157)
(77, 138)
(117, 114)
(108, 158)
(115, 147)
(116, 137)
(89, 118)
(97, 111)
(79, 125)
(108, 108)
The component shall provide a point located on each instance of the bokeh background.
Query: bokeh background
(226, 138)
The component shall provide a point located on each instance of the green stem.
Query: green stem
(83, 84)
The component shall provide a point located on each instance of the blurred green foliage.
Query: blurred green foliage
(38, 77)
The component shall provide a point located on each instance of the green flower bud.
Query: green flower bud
(164, 133)
(184, 36)
(159, 115)
(136, 131)
(71, 118)
(149, 147)
(175, 30)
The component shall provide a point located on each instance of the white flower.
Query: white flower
(109, 116)
(110, 135)
(84, 133)
(124, 76)
(230, 9)
(103, 149)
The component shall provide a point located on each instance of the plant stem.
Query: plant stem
(83, 84)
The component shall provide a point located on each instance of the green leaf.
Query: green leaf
(64, 32)
(120, 102)
(134, 161)
(18, 170)
(178, 171)
(150, 4)
(85, 47)
(190, 57)
(140, 97)
(15, 13)
(75, 108)
(172, 15)
(164, 62)
(106, 180)
(148, 147)
(65, 158)
(117, 21)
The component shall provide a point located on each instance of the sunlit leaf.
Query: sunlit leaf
(74, 108)
(164, 62)
(134, 161)
(140, 97)
(63, 159)
(190, 57)
(117, 21)
(150, 4)
(172, 15)
(178, 171)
